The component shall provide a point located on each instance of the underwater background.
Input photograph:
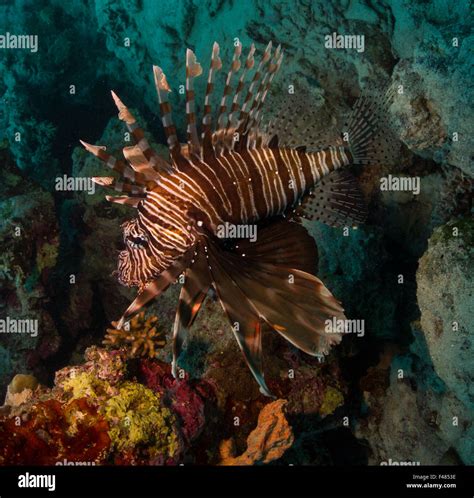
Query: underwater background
(402, 392)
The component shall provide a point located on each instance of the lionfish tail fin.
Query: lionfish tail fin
(368, 130)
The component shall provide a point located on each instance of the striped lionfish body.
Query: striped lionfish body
(233, 171)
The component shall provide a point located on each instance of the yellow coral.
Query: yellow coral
(134, 413)
(333, 398)
(85, 385)
(136, 417)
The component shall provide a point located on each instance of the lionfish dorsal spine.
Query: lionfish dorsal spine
(162, 89)
(216, 65)
(154, 160)
(193, 70)
(249, 63)
(123, 169)
(244, 112)
(234, 68)
(255, 112)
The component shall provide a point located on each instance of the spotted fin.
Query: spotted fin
(298, 121)
(336, 201)
(369, 132)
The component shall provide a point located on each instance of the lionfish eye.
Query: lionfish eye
(137, 242)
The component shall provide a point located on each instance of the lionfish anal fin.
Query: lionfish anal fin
(336, 201)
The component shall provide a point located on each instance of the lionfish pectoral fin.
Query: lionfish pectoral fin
(336, 201)
(259, 285)
(243, 316)
(157, 286)
(193, 293)
(185, 315)
(282, 243)
(249, 338)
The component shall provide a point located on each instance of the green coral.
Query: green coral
(333, 398)
(445, 233)
(136, 417)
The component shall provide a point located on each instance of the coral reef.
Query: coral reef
(445, 286)
(20, 389)
(405, 385)
(50, 432)
(142, 337)
(93, 414)
(267, 442)
(30, 244)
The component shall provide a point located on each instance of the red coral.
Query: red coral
(53, 432)
(184, 397)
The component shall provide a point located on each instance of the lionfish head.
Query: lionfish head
(150, 248)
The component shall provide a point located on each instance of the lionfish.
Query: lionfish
(239, 172)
